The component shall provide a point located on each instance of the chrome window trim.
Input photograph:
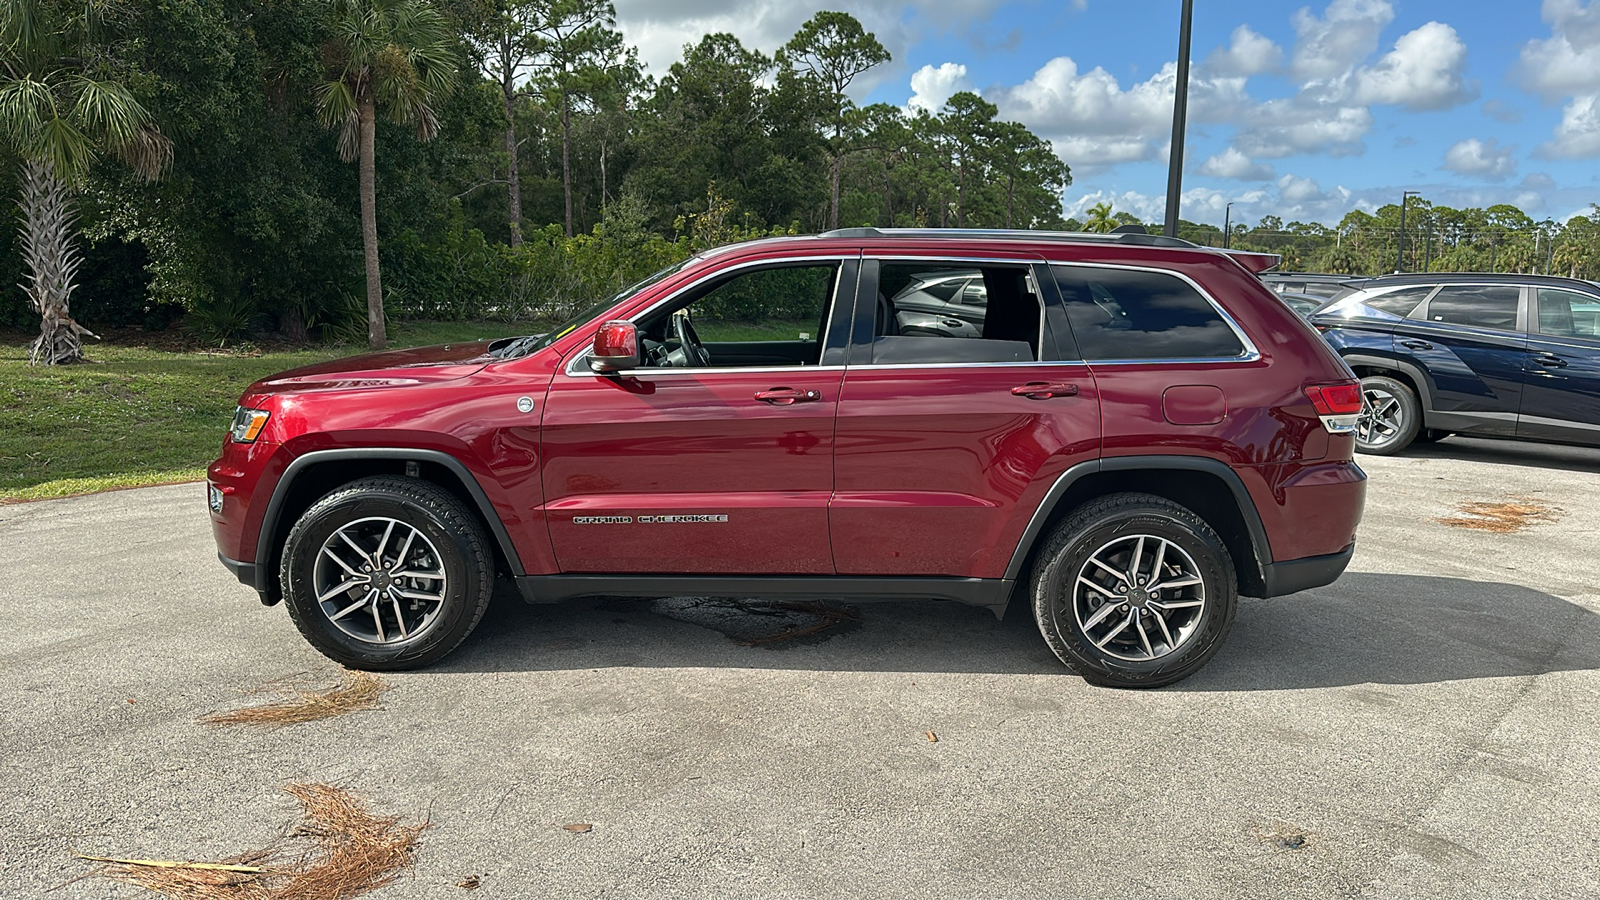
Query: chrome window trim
(573, 367)
(1250, 354)
(1033, 285)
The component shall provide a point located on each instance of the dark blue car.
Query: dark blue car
(1515, 356)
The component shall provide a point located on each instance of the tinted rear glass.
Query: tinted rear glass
(1122, 314)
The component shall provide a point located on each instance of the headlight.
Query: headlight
(247, 424)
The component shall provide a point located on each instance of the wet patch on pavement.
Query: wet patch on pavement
(777, 624)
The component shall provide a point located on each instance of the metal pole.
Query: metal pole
(1400, 254)
(1227, 222)
(1180, 113)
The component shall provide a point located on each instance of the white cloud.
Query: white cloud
(1567, 67)
(1424, 71)
(1481, 159)
(1346, 34)
(931, 87)
(1230, 163)
(1096, 123)
(1292, 126)
(1247, 54)
(1578, 135)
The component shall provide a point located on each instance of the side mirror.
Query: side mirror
(616, 347)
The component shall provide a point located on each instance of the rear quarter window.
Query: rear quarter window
(1134, 314)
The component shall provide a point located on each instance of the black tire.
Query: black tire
(1391, 417)
(449, 532)
(1102, 526)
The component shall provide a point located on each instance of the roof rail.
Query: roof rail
(1143, 240)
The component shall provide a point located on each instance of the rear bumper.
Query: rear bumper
(1294, 575)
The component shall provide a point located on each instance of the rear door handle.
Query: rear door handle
(1552, 360)
(783, 396)
(1042, 390)
(1417, 345)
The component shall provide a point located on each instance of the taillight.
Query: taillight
(1338, 405)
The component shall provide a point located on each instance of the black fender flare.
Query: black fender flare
(1416, 373)
(269, 521)
(1260, 546)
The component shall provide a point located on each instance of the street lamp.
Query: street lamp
(1180, 111)
(1227, 222)
(1400, 255)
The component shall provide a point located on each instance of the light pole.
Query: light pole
(1180, 112)
(1227, 222)
(1400, 255)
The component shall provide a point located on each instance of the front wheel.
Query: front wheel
(387, 573)
(1133, 590)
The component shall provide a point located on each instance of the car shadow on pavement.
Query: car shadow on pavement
(1508, 452)
(1392, 629)
(1401, 629)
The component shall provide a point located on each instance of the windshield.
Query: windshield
(512, 348)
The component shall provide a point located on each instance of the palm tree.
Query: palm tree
(61, 108)
(399, 54)
(1100, 219)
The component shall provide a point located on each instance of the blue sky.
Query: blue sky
(1304, 111)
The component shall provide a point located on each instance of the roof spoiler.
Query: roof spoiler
(1256, 263)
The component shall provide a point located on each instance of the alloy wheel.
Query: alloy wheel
(1139, 598)
(1382, 416)
(380, 580)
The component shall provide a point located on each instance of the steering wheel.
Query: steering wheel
(689, 346)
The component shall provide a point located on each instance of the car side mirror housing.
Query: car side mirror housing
(616, 347)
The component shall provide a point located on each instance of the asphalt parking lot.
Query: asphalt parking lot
(1425, 727)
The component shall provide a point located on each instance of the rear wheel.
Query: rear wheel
(387, 573)
(1390, 416)
(1133, 590)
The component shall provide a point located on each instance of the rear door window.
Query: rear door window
(1476, 305)
(928, 314)
(1126, 314)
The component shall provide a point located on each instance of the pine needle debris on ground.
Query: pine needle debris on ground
(356, 691)
(352, 852)
(1503, 517)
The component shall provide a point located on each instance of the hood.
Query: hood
(391, 368)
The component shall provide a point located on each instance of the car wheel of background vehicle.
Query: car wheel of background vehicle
(387, 573)
(1390, 416)
(1133, 590)
(1430, 435)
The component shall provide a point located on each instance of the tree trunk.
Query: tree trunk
(377, 337)
(566, 156)
(833, 208)
(514, 173)
(888, 191)
(52, 260)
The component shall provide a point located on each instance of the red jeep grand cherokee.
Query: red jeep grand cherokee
(1131, 427)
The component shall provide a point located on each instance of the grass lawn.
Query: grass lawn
(148, 410)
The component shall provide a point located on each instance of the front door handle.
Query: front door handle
(1041, 390)
(1552, 360)
(782, 396)
(1417, 345)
